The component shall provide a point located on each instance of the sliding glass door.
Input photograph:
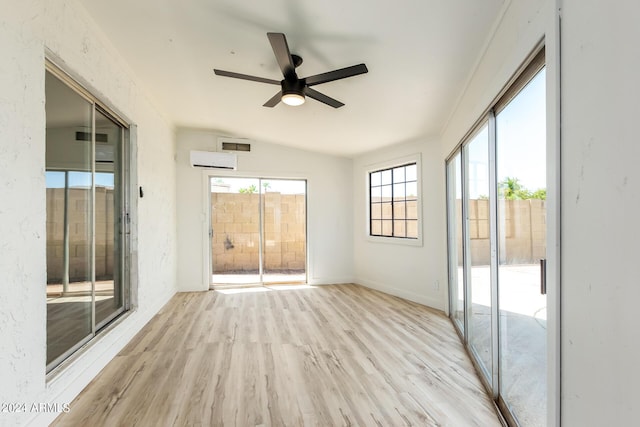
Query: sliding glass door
(496, 185)
(478, 249)
(521, 176)
(86, 201)
(258, 231)
(454, 230)
(69, 179)
(284, 245)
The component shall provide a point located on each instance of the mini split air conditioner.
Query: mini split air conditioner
(214, 160)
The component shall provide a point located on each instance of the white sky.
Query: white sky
(283, 186)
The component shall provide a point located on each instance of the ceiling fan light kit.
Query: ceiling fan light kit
(292, 92)
(292, 99)
(294, 89)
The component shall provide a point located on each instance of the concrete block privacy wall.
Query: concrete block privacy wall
(79, 223)
(522, 231)
(235, 221)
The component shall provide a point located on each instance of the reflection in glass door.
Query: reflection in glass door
(258, 231)
(499, 247)
(521, 175)
(85, 204)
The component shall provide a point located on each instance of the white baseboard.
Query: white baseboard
(430, 301)
(329, 280)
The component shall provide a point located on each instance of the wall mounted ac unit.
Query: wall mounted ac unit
(213, 159)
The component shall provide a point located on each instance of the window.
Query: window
(393, 197)
(86, 201)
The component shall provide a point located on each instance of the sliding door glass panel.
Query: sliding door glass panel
(108, 207)
(285, 232)
(69, 209)
(521, 165)
(477, 241)
(456, 259)
(235, 225)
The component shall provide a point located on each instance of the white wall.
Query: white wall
(600, 227)
(417, 273)
(27, 29)
(329, 205)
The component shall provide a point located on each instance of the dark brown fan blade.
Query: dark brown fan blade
(283, 56)
(245, 77)
(273, 101)
(342, 73)
(312, 93)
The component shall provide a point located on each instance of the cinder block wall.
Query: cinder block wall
(521, 231)
(79, 234)
(235, 221)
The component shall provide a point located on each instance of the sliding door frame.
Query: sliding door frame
(549, 56)
(123, 234)
(207, 232)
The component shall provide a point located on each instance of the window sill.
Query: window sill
(395, 240)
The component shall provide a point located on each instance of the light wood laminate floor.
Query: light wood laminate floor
(337, 355)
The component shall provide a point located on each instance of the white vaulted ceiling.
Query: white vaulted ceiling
(419, 54)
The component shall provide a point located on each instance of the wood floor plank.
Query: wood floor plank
(313, 356)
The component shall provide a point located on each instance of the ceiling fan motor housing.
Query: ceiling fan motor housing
(293, 87)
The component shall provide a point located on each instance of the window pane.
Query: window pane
(387, 211)
(387, 228)
(412, 190)
(399, 210)
(479, 281)
(412, 209)
(411, 172)
(69, 219)
(108, 192)
(398, 191)
(284, 216)
(412, 229)
(376, 194)
(376, 211)
(399, 228)
(521, 180)
(376, 228)
(375, 178)
(398, 174)
(386, 177)
(386, 193)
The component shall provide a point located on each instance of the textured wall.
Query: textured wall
(22, 209)
(61, 27)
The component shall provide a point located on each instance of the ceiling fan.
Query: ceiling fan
(294, 89)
